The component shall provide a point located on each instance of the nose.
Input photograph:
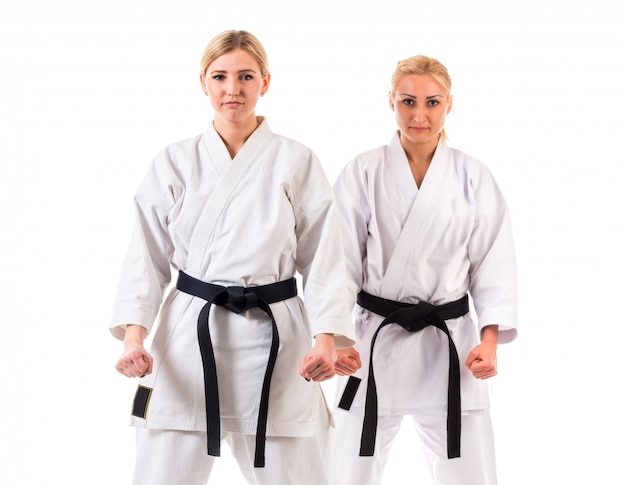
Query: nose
(233, 87)
(419, 114)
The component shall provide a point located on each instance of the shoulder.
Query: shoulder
(479, 177)
(291, 147)
(367, 162)
(475, 168)
(170, 164)
(360, 174)
(177, 160)
(179, 150)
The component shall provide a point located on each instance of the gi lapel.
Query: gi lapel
(419, 218)
(230, 178)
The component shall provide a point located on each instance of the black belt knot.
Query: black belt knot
(413, 318)
(236, 299)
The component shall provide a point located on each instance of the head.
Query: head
(229, 41)
(424, 68)
(233, 74)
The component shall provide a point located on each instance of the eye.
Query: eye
(433, 102)
(247, 77)
(407, 102)
(218, 77)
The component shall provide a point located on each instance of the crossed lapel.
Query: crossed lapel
(419, 218)
(231, 172)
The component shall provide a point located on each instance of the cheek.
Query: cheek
(441, 118)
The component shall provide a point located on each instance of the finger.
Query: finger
(348, 368)
(308, 366)
(470, 359)
(323, 376)
(323, 371)
(341, 369)
(352, 360)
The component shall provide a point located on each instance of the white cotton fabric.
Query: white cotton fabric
(256, 219)
(433, 244)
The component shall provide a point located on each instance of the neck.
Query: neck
(419, 152)
(419, 156)
(235, 134)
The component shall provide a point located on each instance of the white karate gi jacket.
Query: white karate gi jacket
(248, 221)
(450, 237)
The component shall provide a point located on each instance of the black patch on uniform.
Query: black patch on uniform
(349, 392)
(142, 399)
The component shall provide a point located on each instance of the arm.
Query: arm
(146, 268)
(319, 256)
(493, 271)
(135, 360)
(353, 210)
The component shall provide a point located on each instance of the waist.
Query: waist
(270, 293)
(385, 307)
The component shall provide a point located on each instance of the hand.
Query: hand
(317, 365)
(482, 361)
(347, 361)
(135, 360)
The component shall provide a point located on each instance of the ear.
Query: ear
(204, 89)
(390, 99)
(266, 84)
(449, 106)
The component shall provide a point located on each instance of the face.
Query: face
(234, 84)
(421, 106)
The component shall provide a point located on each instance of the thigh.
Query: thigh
(477, 461)
(297, 460)
(346, 466)
(171, 457)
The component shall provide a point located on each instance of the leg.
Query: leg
(346, 466)
(477, 461)
(288, 460)
(171, 457)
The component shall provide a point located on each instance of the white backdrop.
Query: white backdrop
(91, 90)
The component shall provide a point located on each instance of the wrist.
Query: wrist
(135, 334)
(489, 335)
(325, 340)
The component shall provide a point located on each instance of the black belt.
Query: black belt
(237, 299)
(412, 317)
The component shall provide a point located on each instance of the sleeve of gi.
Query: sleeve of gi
(354, 213)
(493, 269)
(146, 268)
(320, 257)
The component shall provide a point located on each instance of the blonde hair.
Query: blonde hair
(422, 65)
(229, 41)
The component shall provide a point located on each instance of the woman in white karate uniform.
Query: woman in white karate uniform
(424, 226)
(224, 220)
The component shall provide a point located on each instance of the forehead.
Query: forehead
(235, 60)
(421, 85)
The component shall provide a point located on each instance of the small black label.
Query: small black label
(142, 399)
(349, 392)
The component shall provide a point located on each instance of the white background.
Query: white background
(90, 91)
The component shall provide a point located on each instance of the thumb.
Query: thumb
(473, 356)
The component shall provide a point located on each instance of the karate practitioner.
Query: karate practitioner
(424, 225)
(224, 220)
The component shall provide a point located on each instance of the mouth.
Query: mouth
(232, 104)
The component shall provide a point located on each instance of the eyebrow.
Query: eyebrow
(239, 72)
(427, 97)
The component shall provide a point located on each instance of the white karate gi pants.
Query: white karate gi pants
(172, 457)
(476, 466)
